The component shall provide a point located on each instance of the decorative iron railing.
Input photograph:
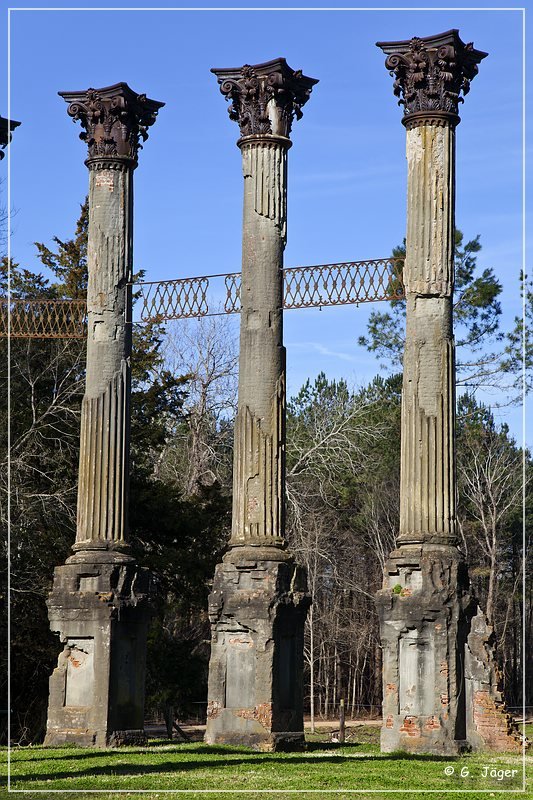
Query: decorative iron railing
(43, 319)
(345, 283)
(351, 282)
(318, 286)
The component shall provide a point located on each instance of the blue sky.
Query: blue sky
(347, 176)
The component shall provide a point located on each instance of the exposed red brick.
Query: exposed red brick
(494, 724)
(262, 713)
(410, 726)
(213, 709)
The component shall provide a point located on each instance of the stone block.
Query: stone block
(257, 612)
(101, 612)
(424, 608)
(442, 687)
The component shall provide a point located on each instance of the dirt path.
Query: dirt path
(157, 730)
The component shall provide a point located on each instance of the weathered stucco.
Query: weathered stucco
(101, 612)
(257, 611)
(258, 469)
(440, 693)
(259, 600)
(104, 446)
(100, 600)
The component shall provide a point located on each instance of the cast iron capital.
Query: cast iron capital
(6, 131)
(265, 98)
(115, 120)
(431, 74)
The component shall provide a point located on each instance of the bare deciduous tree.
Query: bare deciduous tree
(329, 431)
(204, 350)
(490, 483)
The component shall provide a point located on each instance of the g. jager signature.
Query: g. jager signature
(498, 773)
(487, 771)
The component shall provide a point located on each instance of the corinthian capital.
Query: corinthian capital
(432, 75)
(115, 119)
(6, 131)
(265, 98)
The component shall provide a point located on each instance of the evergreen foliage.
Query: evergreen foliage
(487, 357)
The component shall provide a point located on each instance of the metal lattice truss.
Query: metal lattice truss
(347, 283)
(43, 319)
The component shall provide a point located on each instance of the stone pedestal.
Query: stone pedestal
(259, 600)
(257, 612)
(99, 603)
(101, 612)
(425, 610)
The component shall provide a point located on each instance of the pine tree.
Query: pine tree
(477, 312)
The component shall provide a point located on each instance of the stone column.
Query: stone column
(6, 132)
(100, 599)
(425, 605)
(259, 600)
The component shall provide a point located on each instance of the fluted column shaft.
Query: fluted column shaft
(427, 478)
(264, 100)
(114, 120)
(105, 422)
(259, 468)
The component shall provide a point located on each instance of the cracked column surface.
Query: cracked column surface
(425, 605)
(259, 599)
(441, 685)
(99, 603)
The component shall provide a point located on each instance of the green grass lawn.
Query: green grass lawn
(323, 767)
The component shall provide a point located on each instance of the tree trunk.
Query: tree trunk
(312, 669)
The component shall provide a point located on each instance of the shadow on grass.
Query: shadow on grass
(44, 754)
(253, 759)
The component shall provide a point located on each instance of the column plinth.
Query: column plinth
(100, 601)
(259, 600)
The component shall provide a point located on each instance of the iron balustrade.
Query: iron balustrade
(344, 283)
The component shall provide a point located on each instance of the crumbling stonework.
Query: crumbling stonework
(257, 612)
(101, 612)
(259, 599)
(99, 603)
(441, 692)
(442, 686)
(489, 725)
(424, 608)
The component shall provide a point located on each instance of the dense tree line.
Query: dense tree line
(342, 490)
